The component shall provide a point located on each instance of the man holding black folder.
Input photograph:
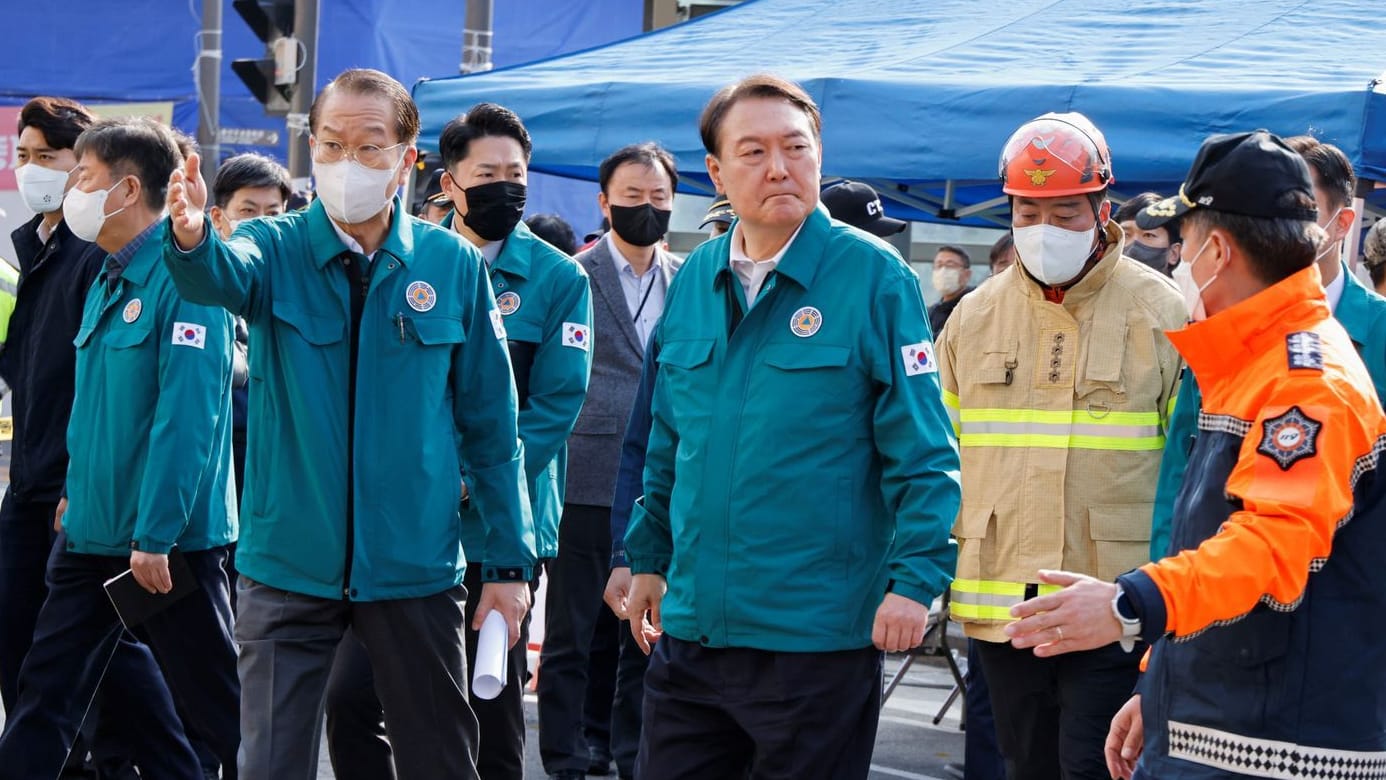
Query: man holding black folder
(150, 439)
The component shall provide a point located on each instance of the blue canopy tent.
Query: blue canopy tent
(146, 50)
(918, 96)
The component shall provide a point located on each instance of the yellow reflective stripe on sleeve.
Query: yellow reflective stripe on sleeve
(989, 599)
(952, 403)
(989, 587)
(978, 612)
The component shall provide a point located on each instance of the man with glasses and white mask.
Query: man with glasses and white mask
(377, 347)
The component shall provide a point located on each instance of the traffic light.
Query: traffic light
(271, 78)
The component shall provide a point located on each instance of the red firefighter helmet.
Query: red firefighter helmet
(1056, 155)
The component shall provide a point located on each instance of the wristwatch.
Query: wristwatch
(1126, 616)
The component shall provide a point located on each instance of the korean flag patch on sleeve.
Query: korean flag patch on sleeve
(187, 334)
(575, 334)
(919, 358)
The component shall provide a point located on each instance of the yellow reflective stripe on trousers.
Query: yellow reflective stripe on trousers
(989, 599)
(1078, 429)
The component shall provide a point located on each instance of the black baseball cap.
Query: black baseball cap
(434, 188)
(719, 211)
(859, 206)
(1239, 173)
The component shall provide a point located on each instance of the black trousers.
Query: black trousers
(736, 712)
(1053, 714)
(356, 740)
(628, 706)
(75, 639)
(574, 727)
(26, 538)
(982, 755)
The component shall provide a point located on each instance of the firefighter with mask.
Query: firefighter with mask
(1058, 378)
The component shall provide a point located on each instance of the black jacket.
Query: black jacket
(939, 312)
(39, 360)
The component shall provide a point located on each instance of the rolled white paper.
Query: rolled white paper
(492, 646)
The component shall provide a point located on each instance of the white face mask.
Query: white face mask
(41, 187)
(85, 212)
(351, 192)
(1052, 254)
(1190, 288)
(1328, 242)
(947, 281)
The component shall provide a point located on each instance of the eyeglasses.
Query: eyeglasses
(369, 155)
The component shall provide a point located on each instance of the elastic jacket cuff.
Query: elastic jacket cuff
(916, 593)
(492, 572)
(658, 566)
(1147, 601)
(149, 545)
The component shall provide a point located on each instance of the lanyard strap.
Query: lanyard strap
(654, 277)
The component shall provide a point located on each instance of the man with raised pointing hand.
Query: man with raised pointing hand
(373, 383)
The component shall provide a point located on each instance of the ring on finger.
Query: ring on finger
(1060, 631)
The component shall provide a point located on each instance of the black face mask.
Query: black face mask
(1153, 256)
(642, 225)
(494, 209)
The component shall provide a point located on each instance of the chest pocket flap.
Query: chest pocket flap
(686, 354)
(125, 337)
(997, 367)
(432, 331)
(802, 357)
(314, 328)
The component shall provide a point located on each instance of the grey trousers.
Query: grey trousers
(288, 641)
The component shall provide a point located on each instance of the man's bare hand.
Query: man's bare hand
(151, 571)
(646, 594)
(900, 624)
(511, 599)
(58, 516)
(1079, 617)
(1125, 740)
(186, 201)
(617, 594)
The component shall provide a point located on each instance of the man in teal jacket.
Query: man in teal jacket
(150, 437)
(543, 296)
(1360, 311)
(802, 475)
(378, 372)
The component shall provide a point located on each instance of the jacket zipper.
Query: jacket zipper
(359, 281)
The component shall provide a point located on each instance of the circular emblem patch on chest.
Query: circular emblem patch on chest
(806, 322)
(508, 303)
(420, 296)
(132, 310)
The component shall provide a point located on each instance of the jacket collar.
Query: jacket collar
(327, 246)
(151, 252)
(800, 262)
(1096, 278)
(516, 252)
(1354, 310)
(1220, 347)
